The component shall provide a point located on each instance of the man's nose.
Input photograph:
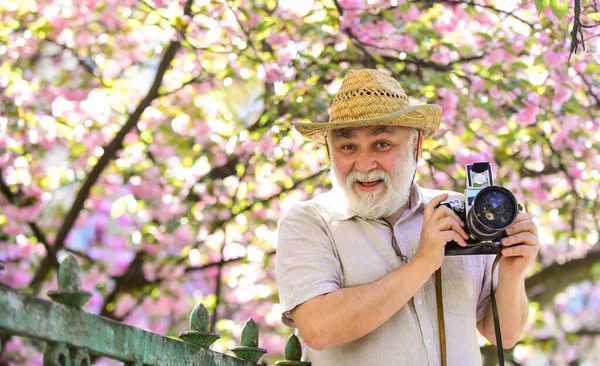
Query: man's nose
(365, 162)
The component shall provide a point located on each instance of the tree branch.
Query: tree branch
(133, 278)
(296, 184)
(576, 30)
(124, 283)
(37, 232)
(218, 286)
(589, 87)
(110, 153)
(196, 79)
(544, 285)
(221, 262)
(469, 3)
(89, 66)
(410, 59)
(489, 351)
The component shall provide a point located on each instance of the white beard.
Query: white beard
(387, 199)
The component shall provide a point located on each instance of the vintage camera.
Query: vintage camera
(487, 211)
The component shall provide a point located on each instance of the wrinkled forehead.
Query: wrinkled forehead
(356, 132)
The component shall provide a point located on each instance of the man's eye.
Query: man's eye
(382, 144)
(347, 147)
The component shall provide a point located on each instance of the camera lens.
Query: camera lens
(494, 209)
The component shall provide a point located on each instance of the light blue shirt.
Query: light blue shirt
(323, 246)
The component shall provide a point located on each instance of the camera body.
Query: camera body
(487, 211)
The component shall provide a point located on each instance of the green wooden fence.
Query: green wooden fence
(73, 336)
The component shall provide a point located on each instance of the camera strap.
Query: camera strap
(440, 311)
(495, 314)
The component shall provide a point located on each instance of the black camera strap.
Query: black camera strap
(441, 322)
(495, 314)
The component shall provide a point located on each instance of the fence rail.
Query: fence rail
(73, 335)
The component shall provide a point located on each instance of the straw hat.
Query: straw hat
(369, 97)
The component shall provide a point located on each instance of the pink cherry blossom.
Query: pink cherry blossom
(448, 102)
(413, 14)
(403, 43)
(527, 115)
(277, 39)
(507, 93)
(184, 235)
(353, 4)
(499, 55)
(554, 59)
(561, 95)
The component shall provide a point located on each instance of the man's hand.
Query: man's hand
(440, 226)
(517, 258)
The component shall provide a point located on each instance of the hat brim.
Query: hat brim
(424, 117)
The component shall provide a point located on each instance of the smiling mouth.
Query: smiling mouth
(370, 184)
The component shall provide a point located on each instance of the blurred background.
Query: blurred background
(152, 139)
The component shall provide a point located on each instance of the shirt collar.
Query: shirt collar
(339, 210)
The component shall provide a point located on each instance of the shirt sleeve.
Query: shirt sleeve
(484, 301)
(307, 264)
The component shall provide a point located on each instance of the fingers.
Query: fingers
(430, 207)
(524, 223)
(444, 211)
(523, 216)
(450, 235)
(526, 238)
(452, 223)
(527, 251)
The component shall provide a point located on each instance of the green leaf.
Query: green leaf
(559, 8)
(365, 18)
(541, 5)
(594, 16)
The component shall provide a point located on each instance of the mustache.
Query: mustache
(373, 175)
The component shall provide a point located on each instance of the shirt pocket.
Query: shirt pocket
(459, 290)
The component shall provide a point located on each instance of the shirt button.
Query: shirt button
(429, 341)
(419, 302)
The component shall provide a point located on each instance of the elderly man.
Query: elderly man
(355, 266)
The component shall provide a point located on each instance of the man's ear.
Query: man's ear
(419, 145)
